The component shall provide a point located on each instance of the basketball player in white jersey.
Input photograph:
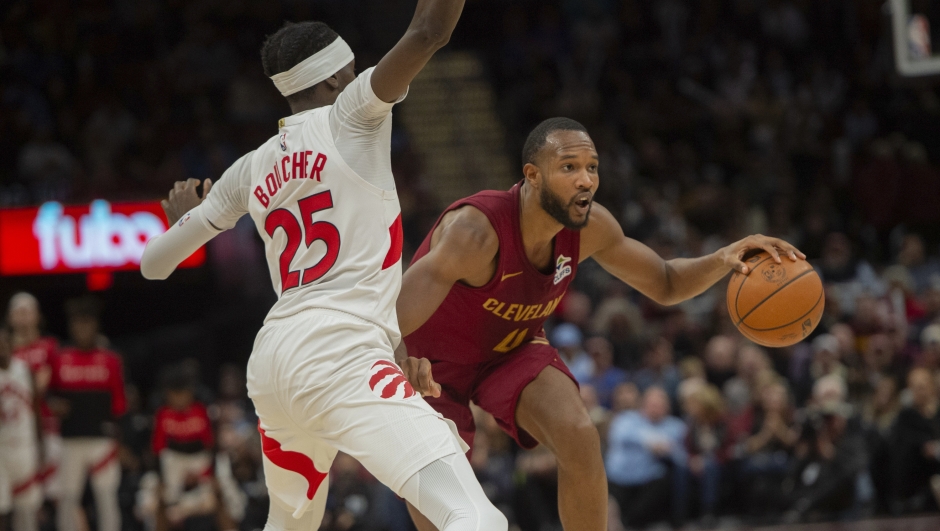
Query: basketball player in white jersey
(322, 374)
(19, 458)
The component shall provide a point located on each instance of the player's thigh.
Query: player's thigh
(73, 468)
(550, 408)
(511, 388)
(105, 467)
(388, 427)
(6, 485)
(22, 465)
(296, 463)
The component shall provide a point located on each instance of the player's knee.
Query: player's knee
(577, 440)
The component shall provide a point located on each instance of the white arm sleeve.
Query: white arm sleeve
(361, 124)
(166, 251)
(227, 201)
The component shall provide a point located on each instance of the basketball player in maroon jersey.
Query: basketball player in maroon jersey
(492, 271)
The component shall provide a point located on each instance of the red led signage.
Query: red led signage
(98, 238)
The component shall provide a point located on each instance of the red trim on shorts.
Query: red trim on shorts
(105, 461)
(292, 461)
(24, 486)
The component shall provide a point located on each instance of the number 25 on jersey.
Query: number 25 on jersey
(308, 231)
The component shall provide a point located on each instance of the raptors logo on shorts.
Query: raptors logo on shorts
(387, 381)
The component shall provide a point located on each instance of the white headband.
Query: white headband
(314, 69)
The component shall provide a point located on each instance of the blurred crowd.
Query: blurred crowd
(714, 119)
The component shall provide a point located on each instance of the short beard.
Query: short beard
(555, 207)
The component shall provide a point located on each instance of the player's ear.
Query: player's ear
(332, 82)
(531, 173)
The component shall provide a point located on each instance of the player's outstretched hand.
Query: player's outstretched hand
(733, 254)
(183, 198)
(418, 372)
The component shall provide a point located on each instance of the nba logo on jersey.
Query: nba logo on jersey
(562, 269)
(283, 140)
(387, 381)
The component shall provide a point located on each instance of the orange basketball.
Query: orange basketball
(776, 305)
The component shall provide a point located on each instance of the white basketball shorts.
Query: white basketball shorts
(324, 381)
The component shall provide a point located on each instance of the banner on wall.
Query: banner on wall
(101, 237)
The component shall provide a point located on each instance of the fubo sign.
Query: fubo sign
(99, 237)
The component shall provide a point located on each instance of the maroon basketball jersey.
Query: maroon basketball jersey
(476, 325)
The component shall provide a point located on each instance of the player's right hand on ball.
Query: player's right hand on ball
(418, 372)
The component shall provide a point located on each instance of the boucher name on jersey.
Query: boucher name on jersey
(331, 237)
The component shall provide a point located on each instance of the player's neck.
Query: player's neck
(538, 227)
(297, 108)
(319, 98)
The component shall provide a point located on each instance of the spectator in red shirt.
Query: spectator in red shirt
(182, 440)
(86, 391)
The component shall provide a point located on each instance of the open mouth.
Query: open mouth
(583, 202)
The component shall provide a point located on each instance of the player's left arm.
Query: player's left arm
(668, 281)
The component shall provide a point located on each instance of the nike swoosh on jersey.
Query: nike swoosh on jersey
(510, 275)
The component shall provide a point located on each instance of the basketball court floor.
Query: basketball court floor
(921, 523)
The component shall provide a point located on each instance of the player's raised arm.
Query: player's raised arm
(669, 281)
(430, 29)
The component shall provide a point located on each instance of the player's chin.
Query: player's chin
(578, 217)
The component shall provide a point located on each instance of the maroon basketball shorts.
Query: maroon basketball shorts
(494, 386)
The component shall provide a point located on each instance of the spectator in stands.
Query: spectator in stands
(706, 444)
(831, 454)
(879, 361)
(567, 338)
(183, 443)
(626, 397)
(849, 275)
(606, 375)
(825, 361)
(923, 268)
(929, 357)
(766, 448)
(720, 360)
(752, 361)
(86, 392)
(878, 416)
(659, 369)
(644, 450)
(916, 446)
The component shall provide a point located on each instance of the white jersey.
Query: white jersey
(333, 240)
(17, 419)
